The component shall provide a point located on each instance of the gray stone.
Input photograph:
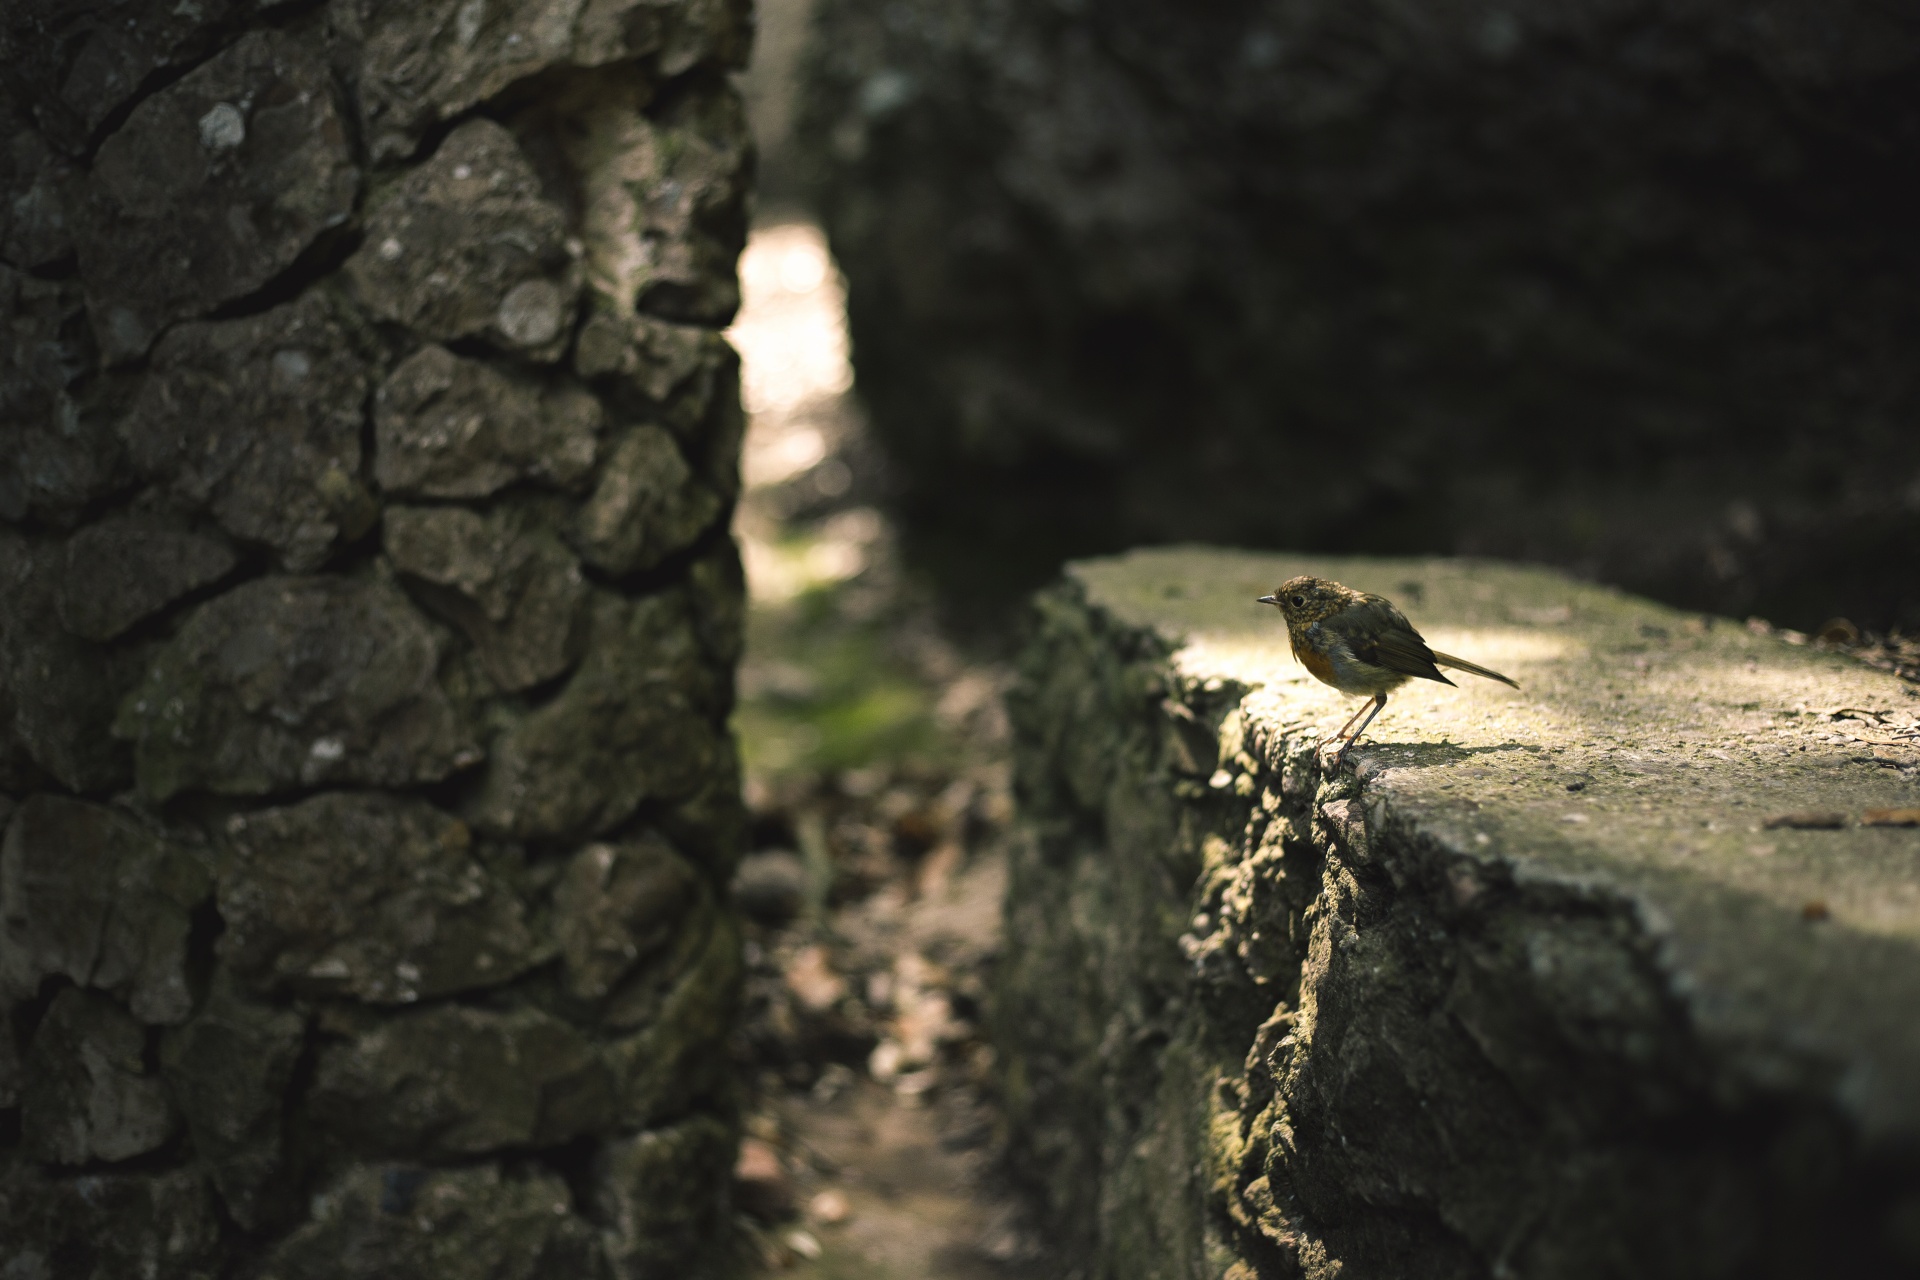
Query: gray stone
(514, 590)
(9, 1059)
(58, 448)
(648, 359)
(648, 505)
(258, 422)
(228, 1070)
(157, 1226)
(467, 246)
(770, 887)
(130, 566)
(448, 427)
(663, 1196)
(88, 894)
(1533, 957)
(289, 682)
(672, 184)
(33, 213)
(87, 1095)
(60, 690)
(451, 1082)
(426, 63)
(460, 1224)
(615, 907)
(368, 896)
(639, 720)
(684, 1004)
(211, 189)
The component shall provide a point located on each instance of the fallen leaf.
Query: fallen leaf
(1815, 909)
(1891, 818)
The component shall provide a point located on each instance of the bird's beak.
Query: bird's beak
(1272, 600)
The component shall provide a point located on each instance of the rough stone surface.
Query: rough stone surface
(289, 682)
(452, 1082)
(365, 895)
(316, 531)
(132, 565)
(214, 186)
(88, 1096)
(446, 427)
(258, 422)
(468, 246)
(635, 723)
(1599, 282)
(1529, 989)
(466, 1224)
(514, 590)
(90, 895)
(648, 1224)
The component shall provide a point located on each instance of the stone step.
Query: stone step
(1562, 980)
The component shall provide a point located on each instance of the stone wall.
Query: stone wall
(368, 617)
(1624, 285)
(1539, 987)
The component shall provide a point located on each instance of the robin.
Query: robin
(1359, 643)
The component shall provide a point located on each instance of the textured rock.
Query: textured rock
(87, 1096)
(1532, 959)
(652, 1230)
(647, 506)
(211, 189)
(451, 1082)
(228, 1070)
(615, 907)
(636, 722)
(646, 360)
(258, 422)
(62, 691)
(447, 427)
(288, 682)
(468, 246)
(88, 894)
(132, 565)
(514, 589)
(367, 896)
(33, 223)
(685, 1006)
(109, 1226)
(1121, 273)
(58, 449)
(426, 63)
(465, 1224)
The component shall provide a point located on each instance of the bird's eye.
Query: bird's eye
(1298, 602)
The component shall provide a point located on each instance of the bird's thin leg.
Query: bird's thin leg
(1342, 735)
(1374, 709)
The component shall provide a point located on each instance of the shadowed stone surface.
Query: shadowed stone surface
(647, 506)
(452, 428)
(647, 1225)
(614, 907)
(58, 449)
(365, 895)
(88, 1096)
(110, 1226)
(288, 682)
(88, 894)
(467, 246)
(213, 186)
(128, 567)
(258, 422)
(1535, 958)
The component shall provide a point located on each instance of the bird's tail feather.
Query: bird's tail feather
(1472, 668)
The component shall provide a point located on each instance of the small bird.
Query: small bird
(1359, 643)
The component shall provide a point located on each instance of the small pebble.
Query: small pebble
(829, 1207)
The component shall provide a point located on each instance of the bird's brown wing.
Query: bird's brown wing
(1378, 634)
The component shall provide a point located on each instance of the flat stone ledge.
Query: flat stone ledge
(1532, 987)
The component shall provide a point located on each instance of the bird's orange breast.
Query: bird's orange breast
(1315, 662)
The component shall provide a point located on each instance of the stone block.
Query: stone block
(33, 222)
(450, 1082)
(467, 245)
(423, 64)
(511, 587)
(638, 721)
(615, 907)
(228, 1070)
(109, 1226)
(295, 682)
(211, 189)
(684, 1005)
(449, 427)
(131, 565)
(375, 897)
(87, 1095)
(258, 422)
(458, 1224)
(90, 895)
(647, 506)
(58, 448)
(1534, 956)
(643, 1185)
